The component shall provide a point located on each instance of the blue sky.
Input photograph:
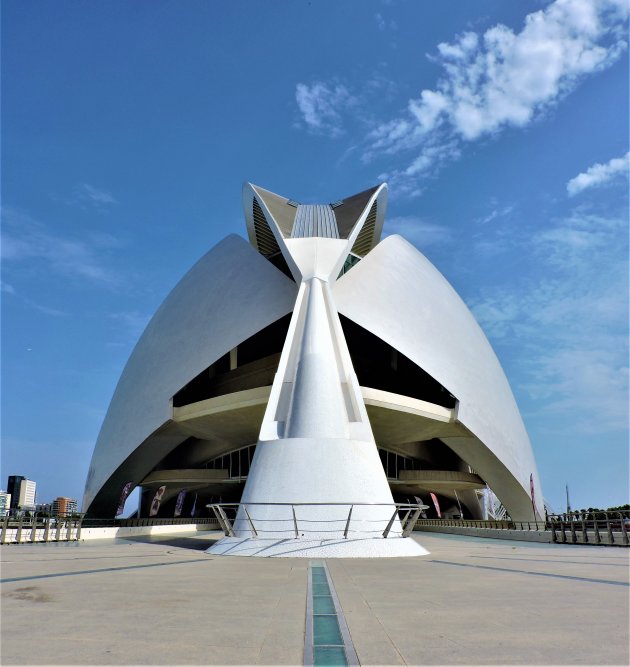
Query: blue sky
(502, 129)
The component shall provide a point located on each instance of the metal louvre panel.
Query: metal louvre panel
(315, 220)
(364, 240)
(267, 244)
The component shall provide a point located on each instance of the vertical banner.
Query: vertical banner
(157, 499)
(436, 504)
(194, 507)
(180, 503)
(461, 514)
(531, 489)
(123, 497)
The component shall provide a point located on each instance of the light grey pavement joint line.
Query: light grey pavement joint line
(104, 569)
(539, 574)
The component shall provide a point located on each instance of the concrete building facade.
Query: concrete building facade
(5, 503)
(315, 363)
(63, 506)
(27, 495)
(13, 489)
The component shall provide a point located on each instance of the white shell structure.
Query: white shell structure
(315, 376)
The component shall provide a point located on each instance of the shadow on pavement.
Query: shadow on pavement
(197, 542)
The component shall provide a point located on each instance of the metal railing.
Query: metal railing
(297, 524)
(496, 524)
(148, 521)
(589, 527)
(29, 529)
(578, 527)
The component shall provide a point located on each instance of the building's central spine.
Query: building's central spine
(317, 407)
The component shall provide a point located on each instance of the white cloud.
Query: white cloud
(571, 327)
(322, 105)
(497, 212)
(502, 79)
(571, 244)
(406, 182)
(85, 195)
(420, 232)
(95, 195)
(598, 174)
(25, 239)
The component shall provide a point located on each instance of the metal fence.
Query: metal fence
(298, 522)
(590, 527)
(29, 529)
(578, 527)
(490, 523)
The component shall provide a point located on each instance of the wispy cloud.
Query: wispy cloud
(321, 106)
(598, 174)
(27, 240)
(94, 195)
(491, 81)
(384, 23)
(496, 213)
(409, 181)
(420, 232)
(47, 310)
(87, 196)
(572, 325)
(130, 326)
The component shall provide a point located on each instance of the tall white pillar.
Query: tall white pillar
(316, 456)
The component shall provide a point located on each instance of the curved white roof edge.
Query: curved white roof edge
(184, 337)
(398, 295)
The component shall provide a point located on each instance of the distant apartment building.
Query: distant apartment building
(64, 506)
(5, 503)
(43, 508)
(13, 489)
(27, 494)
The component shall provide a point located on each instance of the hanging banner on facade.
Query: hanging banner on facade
(461, 514)
(436, 504)
(531, 490)
(179, 504)
(123, 497)
(157, 499)
(194, 507)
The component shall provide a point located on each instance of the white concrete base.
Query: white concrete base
(392, 547)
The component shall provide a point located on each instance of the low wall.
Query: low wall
(497, 534)
(112, 532)
(69, 532)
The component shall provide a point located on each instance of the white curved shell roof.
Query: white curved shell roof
(230, 294)
(394, 292)
(398, 295)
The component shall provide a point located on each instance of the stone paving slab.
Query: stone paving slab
(479, 601)
(165, 601)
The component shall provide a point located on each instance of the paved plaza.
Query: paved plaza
(164, 601)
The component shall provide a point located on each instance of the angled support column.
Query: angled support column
(316, 443)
